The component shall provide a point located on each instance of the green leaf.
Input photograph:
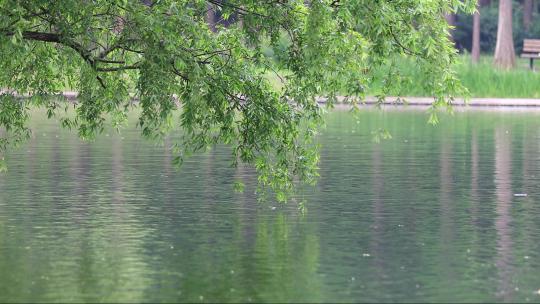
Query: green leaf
(239, 187)
(3, 166)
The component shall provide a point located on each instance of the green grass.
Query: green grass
(482, 79)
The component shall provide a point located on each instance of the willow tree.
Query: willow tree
(163, 54)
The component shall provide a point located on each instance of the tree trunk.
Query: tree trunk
(504, 50)
(527, 14)
(211, 17)
(475, 54)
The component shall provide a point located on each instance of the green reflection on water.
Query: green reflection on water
(427, 216)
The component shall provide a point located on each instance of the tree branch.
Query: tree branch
(405, 49)
(135, 66)
(56, 38)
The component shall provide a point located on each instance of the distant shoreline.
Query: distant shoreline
(460, 102)
(415, 101)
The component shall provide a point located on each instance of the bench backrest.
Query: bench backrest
(531, 46)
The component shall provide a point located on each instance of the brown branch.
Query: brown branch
(109, 61)
(125, 48)
(39, 36)
(101, 81)
(335, 3)
(135, 66)
(178, 73)
(405, 49)
(106, 51)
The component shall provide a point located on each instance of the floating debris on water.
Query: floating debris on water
(520, 194)
(366, 254)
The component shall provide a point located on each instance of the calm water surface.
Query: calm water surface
(427, 216)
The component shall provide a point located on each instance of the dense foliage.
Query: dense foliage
(163, 54)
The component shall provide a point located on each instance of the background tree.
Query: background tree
(475, 49)
(211, 17)
(475, 53)
(489, 15)
(215, 84)
(504, 49)
(527, 14)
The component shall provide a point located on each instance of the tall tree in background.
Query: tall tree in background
(527, 14)
(504, 49)
(211, 17)
(475, 53)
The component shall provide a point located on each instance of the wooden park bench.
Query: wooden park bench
(531, 50)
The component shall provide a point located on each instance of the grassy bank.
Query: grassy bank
(482, 80)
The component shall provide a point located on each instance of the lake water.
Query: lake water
(430, 215)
